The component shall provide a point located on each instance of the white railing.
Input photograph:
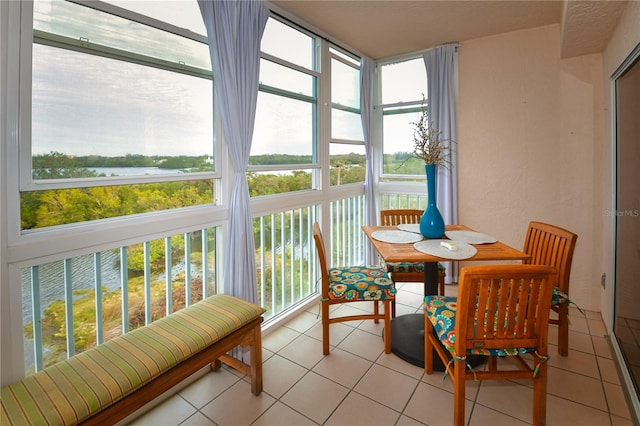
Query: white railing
(76, 303)
(85, 300)
(347, 238)
(285, 259)
(403, 201)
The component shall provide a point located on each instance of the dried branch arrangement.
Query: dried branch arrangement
(428, 144)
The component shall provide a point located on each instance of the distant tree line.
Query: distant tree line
(56, 160)
(63, 206)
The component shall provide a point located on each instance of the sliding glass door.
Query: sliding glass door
(627, 218)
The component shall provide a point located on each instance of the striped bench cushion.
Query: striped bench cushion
(73, 390)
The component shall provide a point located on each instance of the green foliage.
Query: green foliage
(402, 163)
(129, 160)
(57, 165)
(63, 206)
(135, 254)
(29, 204)
(348, 159)
(184, 162)
(270, 184)
(345, 174)
(84, 314)
(278, 159)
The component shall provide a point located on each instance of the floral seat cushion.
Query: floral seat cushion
(360, 283)
(442, 310)
(392, 267)
(559, 297)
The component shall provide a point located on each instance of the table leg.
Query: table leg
(407, 340)
(430, 278)
(407, 331)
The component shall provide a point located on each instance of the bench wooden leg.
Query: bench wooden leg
(256, 361)
(252, 340)
(216, 365)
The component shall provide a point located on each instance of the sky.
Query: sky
(90, 105)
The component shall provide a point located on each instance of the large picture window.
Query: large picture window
(121, 105)
(283, 149)
(403, 86)
(347, 153)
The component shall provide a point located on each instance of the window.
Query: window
(403, 86)
(283, 149)
(121, 112)
(347, 152)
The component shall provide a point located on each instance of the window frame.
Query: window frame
(314, 166)
(402, 107)
(351, 60)
(34, 36)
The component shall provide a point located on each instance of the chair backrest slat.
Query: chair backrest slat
(552, 246)
(504, 306)
(393, 217)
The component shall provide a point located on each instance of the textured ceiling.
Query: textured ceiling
(388, 28)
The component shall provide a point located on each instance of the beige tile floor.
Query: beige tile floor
(358, 384)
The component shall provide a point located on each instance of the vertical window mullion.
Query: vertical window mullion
(124, 288)
(168, 276)
(147, 282)
(37, 317)
(68, 303)
(187, 269)
(97, 265)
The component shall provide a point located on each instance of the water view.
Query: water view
(133, 171)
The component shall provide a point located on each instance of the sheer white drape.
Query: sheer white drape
(440, 64)
(367, 69)
(234, 29)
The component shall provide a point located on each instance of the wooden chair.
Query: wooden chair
(553, 246)
(353, 284)
(407, 271)
(503, 311)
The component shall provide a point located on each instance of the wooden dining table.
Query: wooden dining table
(407, 331)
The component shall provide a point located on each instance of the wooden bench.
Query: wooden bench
(109, 382)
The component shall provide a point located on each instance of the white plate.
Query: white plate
(470, 237)
(400, 237)
(410, 227)
(433, 247)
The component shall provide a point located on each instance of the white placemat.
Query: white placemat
(400, 237)
(410, 227)
(470, 237)
(433, 247)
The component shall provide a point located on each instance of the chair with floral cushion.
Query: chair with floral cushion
(501, 311)
(353, 284)
(408, 272)
(554, 246)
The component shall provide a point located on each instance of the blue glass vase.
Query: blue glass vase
(431, 223)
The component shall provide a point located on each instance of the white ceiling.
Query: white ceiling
(388, 28)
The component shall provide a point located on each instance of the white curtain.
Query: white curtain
(440, 64)
(367, 69)
(234, 29)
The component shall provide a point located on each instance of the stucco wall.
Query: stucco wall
(528, 124)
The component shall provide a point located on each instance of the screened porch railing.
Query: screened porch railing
(285, 259)
(73, 304)
(403, 201)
